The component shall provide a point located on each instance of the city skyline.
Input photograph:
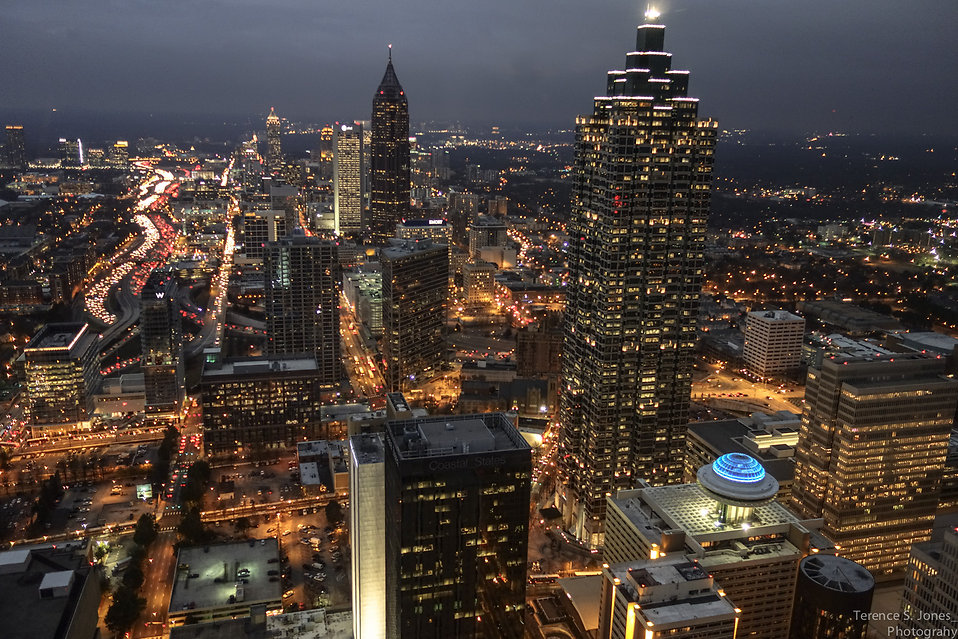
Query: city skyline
(842, 75)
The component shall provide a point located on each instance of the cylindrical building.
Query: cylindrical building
(738, 483)
(829, 592)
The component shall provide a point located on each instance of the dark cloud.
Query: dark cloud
(868, 65)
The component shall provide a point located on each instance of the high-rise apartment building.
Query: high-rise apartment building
(640, 199)
(120, 154)
(61, 375)
(457, 507)
(259, 229)
(930, 598)
(161, 339)
(415, 285)
(871, 454)
(830, 596)
(663, 599)
(274, 146)
(15, 148)
(367, 537)
(389, 156)
(347, 179)
(773, 343)
(729, 524)
(303, 279)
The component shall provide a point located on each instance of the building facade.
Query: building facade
(161, 339)
(274, 145)
(728, 524)
(871, 454)
(389, 157)
(260, 402)
(830, 595)
(348, 179)
(773, 343)
(367, 492)
(302, 302)
(457, 503)
(61, 375)
(415, 285)
(667, 599)
(930, 599)
(640, 199)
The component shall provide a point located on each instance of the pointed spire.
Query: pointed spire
(390, 87)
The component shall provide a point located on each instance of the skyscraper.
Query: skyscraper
(640, 199)
(457, 507)
(389, 190)
(830, 594)
(415, 291)
(274, 148)
(161, 340)
(302, 301)
(347, 179)
(367, 538)
(930, 598)
(871, 453)
(15, 149)
(71, 153)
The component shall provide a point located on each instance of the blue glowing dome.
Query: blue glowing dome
(737, 479)
(739, 467)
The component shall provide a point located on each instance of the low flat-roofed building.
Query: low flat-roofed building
(223, 581)
(305, 624)
(670, 598)
(48, 593)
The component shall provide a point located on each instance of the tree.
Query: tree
(124, 610)
(133, 577)
(145, 531)
(192, 527)
(334, 513)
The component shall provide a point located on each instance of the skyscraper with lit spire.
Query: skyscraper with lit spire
(274, 148)
(389, 156)
(640, 199)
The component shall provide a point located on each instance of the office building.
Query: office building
(389, 157)
(15, 148)
(930, 599)
(261, 228)
(436, 229)
(71, 153)
(871, 454)
(120, 154)
(302, 301)
(729, 524)
(830, 596)
(161, 340)
(663, 599)
(284, 197)
(457, 503)
(463, 208)
(274, 147)
(479, 281)
(260, 402)
(348, 180)
(415, 285)
(61, 375)
(640, 199)
(486, 232)
(367, 539)
(773, 343)
(49, 592)
(363, 290)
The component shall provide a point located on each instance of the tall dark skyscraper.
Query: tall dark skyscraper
(161, 340)
(274, 147)
(15, 149)
(640, 199)
(389, 156)
(302, 301)
(457, 512)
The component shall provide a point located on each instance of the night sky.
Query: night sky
(784, 66)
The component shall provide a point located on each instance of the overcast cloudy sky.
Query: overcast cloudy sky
(864, 65)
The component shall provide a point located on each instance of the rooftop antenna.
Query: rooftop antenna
(390, 53)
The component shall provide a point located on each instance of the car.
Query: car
(272, 573)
